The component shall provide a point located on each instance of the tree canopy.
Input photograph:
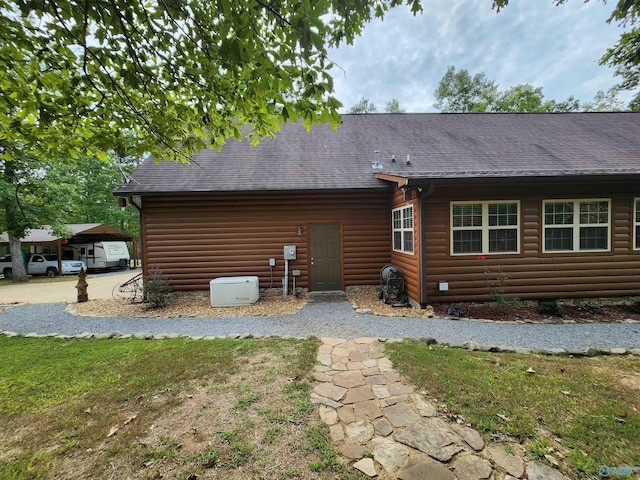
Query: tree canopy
(459, 91)
(181, 74)
(365, 106)
(94, 78)
(86, 78)
(624, 56)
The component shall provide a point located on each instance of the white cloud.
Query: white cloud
(404, 57)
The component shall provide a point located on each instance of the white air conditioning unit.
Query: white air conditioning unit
(233, 291)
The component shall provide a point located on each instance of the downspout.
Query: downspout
(139, 208)
(422, 195)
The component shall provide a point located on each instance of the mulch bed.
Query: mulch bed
(529, 313)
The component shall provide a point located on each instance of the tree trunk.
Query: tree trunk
(15, 247)
(17, 263)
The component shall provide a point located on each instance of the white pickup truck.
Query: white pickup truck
(39, 264)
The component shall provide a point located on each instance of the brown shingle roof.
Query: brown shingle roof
(439, 145)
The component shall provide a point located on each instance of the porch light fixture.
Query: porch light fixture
(300, 230)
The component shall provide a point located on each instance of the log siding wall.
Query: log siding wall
(409, 263)
(194, 239)
(532, 274)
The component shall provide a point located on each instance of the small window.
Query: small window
(402, 226)
(576, 225)
(485, 227)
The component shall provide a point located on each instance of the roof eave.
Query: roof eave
(504, 179)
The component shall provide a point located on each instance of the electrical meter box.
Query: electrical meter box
(289, 252)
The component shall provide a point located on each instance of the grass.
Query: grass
(575, 408)
(179, 407)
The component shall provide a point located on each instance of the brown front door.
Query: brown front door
(324, 247)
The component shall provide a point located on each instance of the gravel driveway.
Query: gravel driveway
(100, 287)
(332, 319)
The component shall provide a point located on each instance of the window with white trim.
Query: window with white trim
(485, 227)
(576, 225)
(636, 223)
(402, 225)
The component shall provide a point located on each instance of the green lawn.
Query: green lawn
(161, 408)
(176, 408)
(583, 411)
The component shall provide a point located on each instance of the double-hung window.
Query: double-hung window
(576, 225)
(485, 227)
(402, 225)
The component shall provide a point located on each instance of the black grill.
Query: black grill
(392, 283)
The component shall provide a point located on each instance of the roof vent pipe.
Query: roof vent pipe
(393, 159)
(377, 165)
(408, 159)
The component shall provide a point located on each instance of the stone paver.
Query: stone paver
(391, 455)
(349, 379)
(358, 394)
(366, 466)
(469, 435)
(540, 471)
(368, 409)
(471, 467)
(512, 464)
(432, 436)
(371, 411)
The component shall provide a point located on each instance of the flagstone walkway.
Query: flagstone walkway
(389, 431)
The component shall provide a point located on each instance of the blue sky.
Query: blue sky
(530, 41)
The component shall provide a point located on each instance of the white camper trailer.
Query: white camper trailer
(99, 255)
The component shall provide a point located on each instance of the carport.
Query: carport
(43, 240)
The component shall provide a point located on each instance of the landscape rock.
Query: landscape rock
(426, 469)
(366, 466)
(426, 409)
(431, 436)
(346, 414)
(383, 427)
(540, 471)
(512, 464)
(470, 436)
(391, 455)
(359, 432)
(380, 391)
(471, 467)
(330, 391)
(328, 415)
(398, 388)
(385, 365)
(400, 414)
(337, 432)
(351, 450)
(367, 410)
(358, 394)
(349, 379)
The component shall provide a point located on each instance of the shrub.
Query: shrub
(457, 310)
(590, 308)
(157, 289)
(550, 307)
(496, 289)
(634, 306)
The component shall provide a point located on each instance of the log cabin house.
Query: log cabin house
(548, 205)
